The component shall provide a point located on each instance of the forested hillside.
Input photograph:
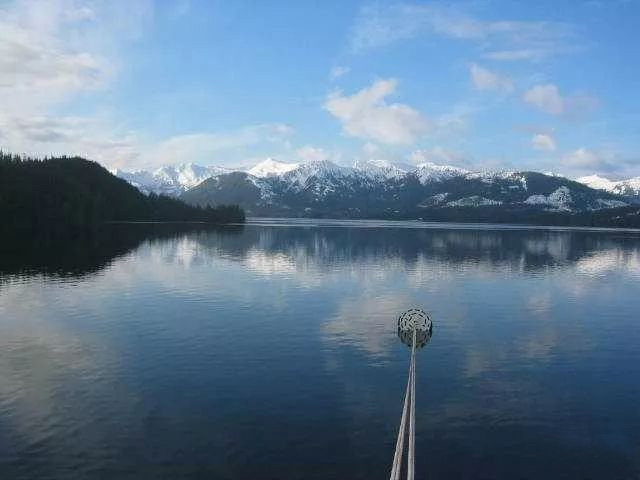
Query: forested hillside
(74, 192)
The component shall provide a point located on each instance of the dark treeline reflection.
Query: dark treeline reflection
(525, 250)
(81, 252)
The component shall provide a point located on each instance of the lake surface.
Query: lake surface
(270, 352)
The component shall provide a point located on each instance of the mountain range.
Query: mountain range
(630, 187)
(378, 188)
(169, 180)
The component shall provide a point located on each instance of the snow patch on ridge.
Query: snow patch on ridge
(433, 200)
(430, 172)
(324, 169)
(608, 203)
(170, 180)
(266, 193)
(630, 186)
(560, 199)
(473, 201)
(379, 170)
(489, 177)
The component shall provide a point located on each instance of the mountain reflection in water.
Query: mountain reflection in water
(271, 351)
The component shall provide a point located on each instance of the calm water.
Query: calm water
(270, 352)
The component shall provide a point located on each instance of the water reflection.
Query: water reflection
(223, 353)
(273, 250)
(83, 252)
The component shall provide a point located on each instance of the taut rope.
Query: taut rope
(409, 405)
(414, 326)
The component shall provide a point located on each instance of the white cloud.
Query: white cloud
(585, 161)
(89, 137)
(383, 24)
(96, 139)
(52, 51)
(454, 123)
(485, 79)
(39, 66)
(365, 114)
(583, 158)
(312, 154)
(543, 142)
(548, 99)
(221, 148)
(35, 66)
(370, 148)
(337, 72)
(438, 155)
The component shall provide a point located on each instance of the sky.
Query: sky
(548, 85)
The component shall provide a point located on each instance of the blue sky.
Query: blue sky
(551, 86)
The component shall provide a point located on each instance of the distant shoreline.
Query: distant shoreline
(168, 222)
(419, 224)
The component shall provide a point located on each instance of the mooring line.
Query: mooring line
(414, 330)
(397, 457)
(412, 416)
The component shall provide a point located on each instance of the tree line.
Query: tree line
(75, 192)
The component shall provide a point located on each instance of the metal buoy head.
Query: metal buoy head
(415, 319)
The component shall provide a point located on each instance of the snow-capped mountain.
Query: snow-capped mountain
(381, 170)
(174, 180)
(378, 188)
(141, 179)
(170, 180)
(319, 175)
(382, 189)
(629, 187)
(270, 168)
(430, 172)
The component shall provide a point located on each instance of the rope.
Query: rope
(397, 457)
(412, 416)
(409, 405)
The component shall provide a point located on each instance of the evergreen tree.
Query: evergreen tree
(74, 192)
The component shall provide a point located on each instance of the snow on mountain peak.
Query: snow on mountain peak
(185, 176)
(597, 182)
(271, 167)
(431, 172)
(630, 186)
(170, 180)
(379, 170)
(299, 176)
